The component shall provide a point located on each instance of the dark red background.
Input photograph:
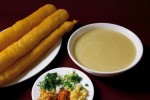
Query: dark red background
(132, 14)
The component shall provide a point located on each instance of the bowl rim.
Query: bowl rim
(140, 53)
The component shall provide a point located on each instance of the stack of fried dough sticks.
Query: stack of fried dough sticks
(25, 41)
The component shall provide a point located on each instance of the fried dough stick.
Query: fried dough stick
(13, 52)
(22, 64)
(21, 27)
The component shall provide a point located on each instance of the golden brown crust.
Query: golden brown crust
(31, 39)
(21, 27)
(24, 62)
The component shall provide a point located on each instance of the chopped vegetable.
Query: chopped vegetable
(70, 80)
(52, 80)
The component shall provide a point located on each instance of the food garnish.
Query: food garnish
(65, 86)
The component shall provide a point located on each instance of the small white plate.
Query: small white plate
(39, 65)
(62, 71)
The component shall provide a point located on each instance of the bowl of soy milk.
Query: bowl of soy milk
(105, 49)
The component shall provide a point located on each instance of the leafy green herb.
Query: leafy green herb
(52, 80)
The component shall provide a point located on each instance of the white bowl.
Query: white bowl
(136, 41)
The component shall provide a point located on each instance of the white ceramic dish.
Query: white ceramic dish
(38, 65)
(62, 71)
(113, 27)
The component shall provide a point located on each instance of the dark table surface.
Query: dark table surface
(132, 14)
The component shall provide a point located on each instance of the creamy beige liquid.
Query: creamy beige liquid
(104, 50)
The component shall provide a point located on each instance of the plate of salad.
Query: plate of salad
(63, 83)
